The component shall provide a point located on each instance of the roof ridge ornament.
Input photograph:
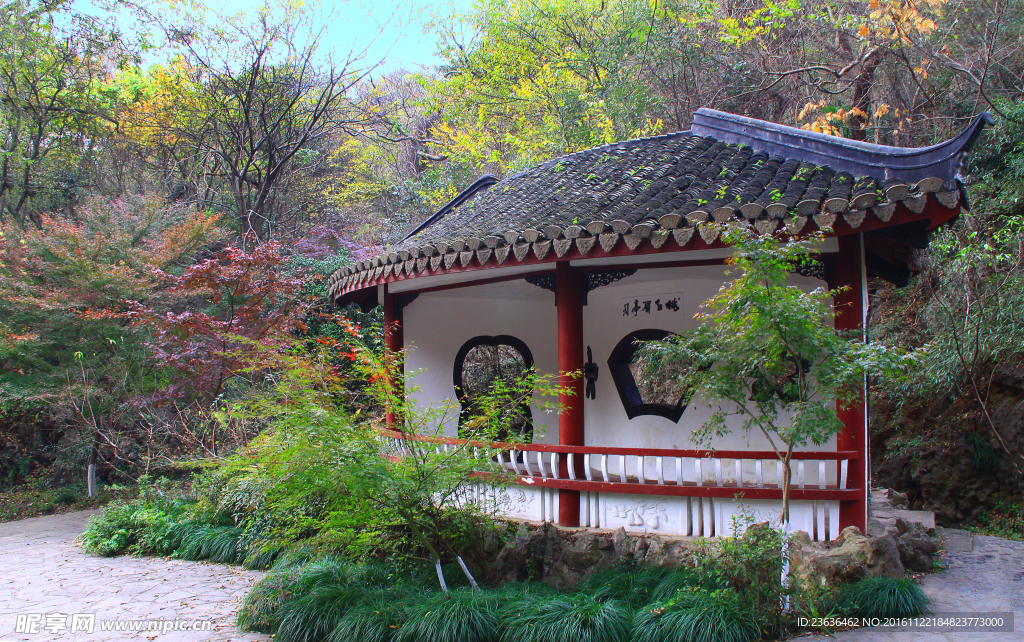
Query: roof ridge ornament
(882, 162)
(483, 182)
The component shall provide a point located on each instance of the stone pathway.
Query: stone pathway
(983, 574)
(43, 572)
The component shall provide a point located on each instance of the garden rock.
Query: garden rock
(849, 557)
(917, 546)
(563, 557)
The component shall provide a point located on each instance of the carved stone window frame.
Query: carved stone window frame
(460, 362)
(618, 366)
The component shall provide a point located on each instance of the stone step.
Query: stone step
(881, 513)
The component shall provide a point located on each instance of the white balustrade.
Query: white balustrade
(662, 469)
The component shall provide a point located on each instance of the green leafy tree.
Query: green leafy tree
(54, 112)
(542, 78)
(768, 354)
(328, 460)
(964, 308)
(65, 288)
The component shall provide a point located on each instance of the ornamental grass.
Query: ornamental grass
(880, 597)
(579, 617)
(697, 615)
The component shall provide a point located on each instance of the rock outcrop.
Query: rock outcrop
(853, 555)
(562, 557)
(944, 456)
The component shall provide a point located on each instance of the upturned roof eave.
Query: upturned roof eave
(675, 246)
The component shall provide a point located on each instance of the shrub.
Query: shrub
(696, 615)
(134, 527)
(1006, 519)
(581, 617)
(66, 497)
(751, 565)
(461, 615)
(881, 597)
(112, 531)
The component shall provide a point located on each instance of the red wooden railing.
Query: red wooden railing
(817, 475)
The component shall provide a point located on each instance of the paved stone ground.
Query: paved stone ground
(43, 571)
(983, 574)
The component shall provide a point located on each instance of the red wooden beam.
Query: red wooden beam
(848, 272)
(569, 302)
(394, 343)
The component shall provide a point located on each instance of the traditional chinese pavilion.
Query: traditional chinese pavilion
(564, 266)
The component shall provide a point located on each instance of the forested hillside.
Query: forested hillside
(173, 198)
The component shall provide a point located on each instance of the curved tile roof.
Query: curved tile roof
(652, 188)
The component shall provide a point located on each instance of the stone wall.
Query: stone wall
(562, 557)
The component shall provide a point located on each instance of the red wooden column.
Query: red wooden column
(848, 272)
(394, 342)
(569, 298)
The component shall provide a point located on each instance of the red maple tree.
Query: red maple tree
(228, 311)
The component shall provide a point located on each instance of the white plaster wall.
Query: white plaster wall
(437, 324)
(679, 516)
(605, 325)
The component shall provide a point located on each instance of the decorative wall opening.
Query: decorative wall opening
(481, 362)
(641, 392)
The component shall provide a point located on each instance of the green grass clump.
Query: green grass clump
(205, 542)
(376, 619)
(295, 556)
(461, 615)
(310, 617)
(881, 597)
(697, 615)
(681, 579)
(631, 584)
(263, 601)
(512, 591)
(580, 617)
(260, 557)
(303, 602)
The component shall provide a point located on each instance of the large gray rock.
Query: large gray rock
(917, 545)
(852, 556)
(562, 557)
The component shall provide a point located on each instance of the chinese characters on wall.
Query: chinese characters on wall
(652, 304)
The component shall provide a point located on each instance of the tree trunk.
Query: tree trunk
(90, 471)
(787, 479)
(862, 96)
